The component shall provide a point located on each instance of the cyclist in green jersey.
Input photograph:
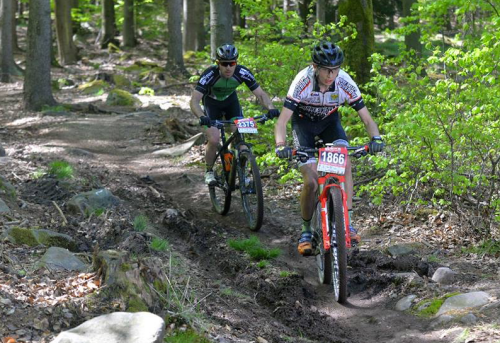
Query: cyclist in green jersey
(217, 90)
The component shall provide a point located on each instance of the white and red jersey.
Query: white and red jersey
(305, 98)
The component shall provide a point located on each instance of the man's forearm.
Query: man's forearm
(265, 101)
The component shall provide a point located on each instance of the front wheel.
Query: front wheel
(337, 255)
(251, 190)
(220, 193)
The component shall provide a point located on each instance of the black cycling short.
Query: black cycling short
(228, 109)
(304, 130)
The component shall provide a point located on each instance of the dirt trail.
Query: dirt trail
(273, 307)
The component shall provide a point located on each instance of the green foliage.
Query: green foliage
(262, 264)
(38, 174)
(146, 91)
(159, 244)
(61, 170)
(253, 247)
(187, 336)
(433, 307)
(286, 273)
(141, 223)
(441, 126)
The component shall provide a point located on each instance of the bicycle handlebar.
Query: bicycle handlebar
(219, 123)
(359, 151)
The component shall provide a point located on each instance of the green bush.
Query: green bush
(61, 170)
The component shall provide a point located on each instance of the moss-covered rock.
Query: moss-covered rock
(93, 87)
(121, 81)
(34, 237)
(19, 235)
(119, 97)
(7, 190)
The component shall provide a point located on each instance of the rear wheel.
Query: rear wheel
(323, 258)
(220, 193)
(251, 190)
(337, 255)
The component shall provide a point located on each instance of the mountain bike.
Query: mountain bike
(330, 221)
(234, 162)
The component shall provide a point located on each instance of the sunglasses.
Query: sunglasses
(227, 64)
(330, 70)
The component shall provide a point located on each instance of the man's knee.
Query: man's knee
(212, 136)
(310, 185)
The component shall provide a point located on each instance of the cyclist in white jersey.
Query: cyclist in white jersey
(312, 103)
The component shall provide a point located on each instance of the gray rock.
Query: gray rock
(4, 209)
(441, 320)
(118, 327)
(491, 306)
(413, 279)
(401, 250)
(88, 202)
(444, 276)
(180, 149)
(405, 303)
(468, 319)
(464, 301)
(60, 259)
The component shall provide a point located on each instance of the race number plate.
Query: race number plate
(246, 125)
(332, 160)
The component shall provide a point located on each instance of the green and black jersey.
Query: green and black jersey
(213, 85)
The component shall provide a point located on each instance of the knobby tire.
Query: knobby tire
(337, 255)
(252, 198)
(220, 194)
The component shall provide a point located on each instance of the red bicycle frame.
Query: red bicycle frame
(323, 198)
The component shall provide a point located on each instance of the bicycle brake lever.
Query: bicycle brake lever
(263, 119)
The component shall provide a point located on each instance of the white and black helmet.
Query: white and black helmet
(227, 52)
(327, 54)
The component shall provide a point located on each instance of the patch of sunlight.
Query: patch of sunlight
(23, 121)
(165, 102)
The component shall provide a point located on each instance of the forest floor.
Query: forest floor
(225, 294)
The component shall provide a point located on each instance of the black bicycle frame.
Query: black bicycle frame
(238, 137)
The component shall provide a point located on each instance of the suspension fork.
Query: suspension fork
(325, 225)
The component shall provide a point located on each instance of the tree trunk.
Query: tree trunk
(221, 30)
(412, 41)
(108, 27)
(320, 11)
(201, 32)
(238, 19)
(358, 50)
(37, 85)
(128, 24)
(175, 61)
(7, 65)
(67, 53)
(15, 44)
(189, 19)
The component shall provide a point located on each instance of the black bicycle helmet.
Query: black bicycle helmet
(227, 52)
(327, 54)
